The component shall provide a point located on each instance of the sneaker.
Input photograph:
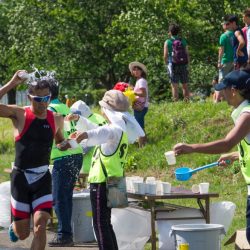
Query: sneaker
(56, 242)
(12, 235)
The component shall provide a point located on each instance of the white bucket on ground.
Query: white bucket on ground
(82, 218)
(220, 213)
(5, 204)
(198, 236)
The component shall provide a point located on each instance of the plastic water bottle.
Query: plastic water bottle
(24, 75)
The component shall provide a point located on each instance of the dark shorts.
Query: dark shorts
(179, 74)
(29, 198)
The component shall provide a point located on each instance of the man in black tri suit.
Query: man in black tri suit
(35, 128)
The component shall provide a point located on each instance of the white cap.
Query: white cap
(82, 107)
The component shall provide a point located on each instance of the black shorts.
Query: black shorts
(29, 198)
(179, 73)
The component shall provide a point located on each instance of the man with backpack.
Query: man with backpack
(176, 57)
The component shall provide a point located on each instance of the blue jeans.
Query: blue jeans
(139, 116)
(64, 175)
(248, 219)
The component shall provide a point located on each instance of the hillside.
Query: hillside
(167, 124)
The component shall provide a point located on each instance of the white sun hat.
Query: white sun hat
(137, 64)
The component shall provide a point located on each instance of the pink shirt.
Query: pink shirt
(142, 83)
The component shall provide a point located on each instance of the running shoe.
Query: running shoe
(12, 235)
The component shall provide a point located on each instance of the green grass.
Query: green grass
(167, 124)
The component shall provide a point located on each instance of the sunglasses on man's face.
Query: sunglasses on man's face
(40, 98)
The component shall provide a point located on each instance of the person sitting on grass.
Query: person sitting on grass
(236, 90)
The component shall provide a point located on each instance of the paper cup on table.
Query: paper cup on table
(152, 188)
(141, 188)
(204, 187)
(150, 179)
(195, 189)
(136, 187)
(73, 144)
(170, 156)
(165, 187)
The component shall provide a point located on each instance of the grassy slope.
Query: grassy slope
(167, 124)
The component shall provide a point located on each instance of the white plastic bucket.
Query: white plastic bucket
(198, 236)
(82, 218)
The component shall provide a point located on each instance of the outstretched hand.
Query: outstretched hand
(228, 159)
(182, 148)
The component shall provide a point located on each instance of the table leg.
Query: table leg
(207, 204)
(153, 233)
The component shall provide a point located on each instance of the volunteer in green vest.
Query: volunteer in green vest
(67, 165)
(236, 88)
(81, 108)
(111, 143)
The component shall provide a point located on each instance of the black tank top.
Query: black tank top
(33, 145)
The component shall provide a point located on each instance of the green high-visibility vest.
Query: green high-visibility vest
(243, 146)
(114, 164)
(99, 120)
(63, 110)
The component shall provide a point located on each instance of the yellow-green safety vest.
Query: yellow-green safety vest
(243, 146)
(63, 110)
(114, 164)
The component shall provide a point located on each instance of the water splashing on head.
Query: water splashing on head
(39, 75)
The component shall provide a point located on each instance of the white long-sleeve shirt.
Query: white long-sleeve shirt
(108, 136)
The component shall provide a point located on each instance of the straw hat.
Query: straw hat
(137, 64)
(115, 100)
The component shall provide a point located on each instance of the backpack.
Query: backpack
(179, 54)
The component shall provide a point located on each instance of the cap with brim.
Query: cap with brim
(115, 100)
(238, 79)
(139, 65)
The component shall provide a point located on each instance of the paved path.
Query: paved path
(5, 244)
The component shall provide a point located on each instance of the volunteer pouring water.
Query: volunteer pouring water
(108, 160)
(236, 88)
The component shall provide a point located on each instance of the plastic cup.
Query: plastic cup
(170, 156)
(136, 187)
(204, 187)
(195, 189)
(73, 143)
(67, 126)
(165, 187)
(141, 188)
(152, 188)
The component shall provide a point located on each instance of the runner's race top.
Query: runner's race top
(33, 145)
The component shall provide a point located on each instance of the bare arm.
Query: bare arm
(240, 131)
(59, 128)
(10, 111)
(141, 92)
(241, 43)
(165, 53)
(221, 52)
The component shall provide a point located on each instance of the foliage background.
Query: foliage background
(90, 43)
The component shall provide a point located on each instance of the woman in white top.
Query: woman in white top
(140, 106)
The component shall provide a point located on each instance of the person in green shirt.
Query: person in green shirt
(226, 53)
